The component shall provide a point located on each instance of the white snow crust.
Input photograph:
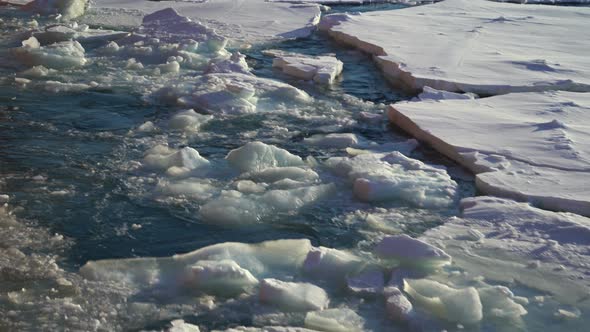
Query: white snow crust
(252, 21)
(475, 46)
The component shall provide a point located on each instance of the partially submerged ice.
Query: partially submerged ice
(257, 156)
(210, 269)
(61, 55)
(463, 45)
(321, 69)
(392, 176)
(520, 145)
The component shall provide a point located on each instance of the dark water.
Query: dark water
(79, 143)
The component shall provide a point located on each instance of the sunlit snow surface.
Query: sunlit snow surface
(264, 200)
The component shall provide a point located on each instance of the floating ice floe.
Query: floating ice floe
(232, 93)
(252, 21)
(519, 144)
(237, 208)
(391, 176)
(257, 156)
(162, 157)
(188, 121)
(234, 265)
(320, 69)
(336, 140)
(463, 45)
(535, 248)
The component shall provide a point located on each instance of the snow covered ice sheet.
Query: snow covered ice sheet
(251, 21)
(475, 46)
(521, 144)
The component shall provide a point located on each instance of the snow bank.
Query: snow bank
(520, 144)
(320, 69)
(463, 45)
(391, 176)
(251, 21)
(532, 247)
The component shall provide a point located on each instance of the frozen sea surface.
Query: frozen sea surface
(267, 206)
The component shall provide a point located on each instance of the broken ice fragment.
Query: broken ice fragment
(334, 320)
(256, 156)
(224, 277)
(461, 306)
(293, 296)
(411, 252)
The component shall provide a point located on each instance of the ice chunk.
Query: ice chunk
(516, 234)
(180, 325)
(60, 55)
(411, 252)
(334, 320)
(331, 264)
(232, 93)
(218, 277)
(234, 207)
(195, 188)
(279, 256)
(321, 69)
(461, 306)
(337, 141)
(256, 156)
(188, 121)
(498, 302)
(162, 157)
(385, 177)
(293, 296)
(397, 305)
(146, 127)
(369, 282)
(274, 174)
